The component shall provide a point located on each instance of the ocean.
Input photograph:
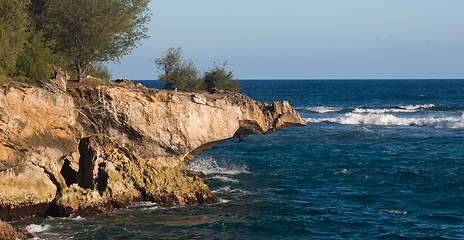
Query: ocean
(379, 159)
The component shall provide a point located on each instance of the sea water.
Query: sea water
(379, 159)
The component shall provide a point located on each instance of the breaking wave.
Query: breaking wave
(210, 165)
(389, 109)
(34, 228)
(396, 109)
(391, 120)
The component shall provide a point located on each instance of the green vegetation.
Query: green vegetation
(177, 73)
(92, 31)
(38, 35)
(220, 78)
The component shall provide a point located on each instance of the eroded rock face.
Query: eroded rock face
(110, 176)
(94, 149)
(176, 125)
(37, 128)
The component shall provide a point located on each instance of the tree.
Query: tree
(178, 73)
(35, 60)
(93, 31)
(13, 23)
(220, 78)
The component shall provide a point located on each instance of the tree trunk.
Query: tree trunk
(82, 69)
(80, 75)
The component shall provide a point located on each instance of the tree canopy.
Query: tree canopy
(92, 31)
(13, 19)
(177, 73)
(220, 78)
(36, 35)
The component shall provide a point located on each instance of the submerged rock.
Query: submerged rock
(97, 148)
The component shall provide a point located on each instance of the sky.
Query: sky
(306, 39)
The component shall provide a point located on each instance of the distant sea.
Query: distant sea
(379, 159)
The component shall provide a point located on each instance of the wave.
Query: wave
(391, 120)
(210, 165)
(322, 109)
(34, 228)
(389, 109)
(396, 109)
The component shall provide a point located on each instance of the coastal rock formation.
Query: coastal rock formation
(110, 176)
(37, 129)
(7, 232)
(175, 125)
(96, 148)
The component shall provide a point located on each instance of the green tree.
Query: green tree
(93, 31)
(178, 73)
(220, 78)
(13, 25)
(35, 60)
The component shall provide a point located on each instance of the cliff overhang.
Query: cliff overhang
(92, 149)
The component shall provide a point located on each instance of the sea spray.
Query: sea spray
(211, 165)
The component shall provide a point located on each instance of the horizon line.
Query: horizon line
(272, 79)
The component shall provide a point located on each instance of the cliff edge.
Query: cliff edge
(93, 149)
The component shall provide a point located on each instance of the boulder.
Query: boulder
(8, 232)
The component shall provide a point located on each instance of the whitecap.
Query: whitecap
(323, 109)
(395, 211)
(225, 179)
(228, 189)
(344, 171)
(78, 218)
(210, 165)
(35, 228)
(417, 107)
(391, 120)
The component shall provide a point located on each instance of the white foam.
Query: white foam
(344, 171)
(225, 179)
(324, 109)
(209, 165)
(228, 189)
(34, 228)
(78, 218)
(395, 211)
(391, 120)
(396, 109)
(417, 107)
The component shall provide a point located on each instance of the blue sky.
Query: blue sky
(306, 39)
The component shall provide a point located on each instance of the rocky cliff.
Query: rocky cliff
(92, 149)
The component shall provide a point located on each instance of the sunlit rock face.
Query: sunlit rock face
(96, 148)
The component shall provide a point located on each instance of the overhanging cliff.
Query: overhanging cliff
(94, 149)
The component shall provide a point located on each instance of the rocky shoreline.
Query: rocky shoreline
(90, 150)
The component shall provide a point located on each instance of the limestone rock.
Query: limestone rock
(176, 125)
(37, 128)
(8, 232)
(110, 176)
(136, 146)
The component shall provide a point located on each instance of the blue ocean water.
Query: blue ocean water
(379, 159)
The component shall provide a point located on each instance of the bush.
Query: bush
(99, 70)
(178, 73)
(34, 62)
(220, 78)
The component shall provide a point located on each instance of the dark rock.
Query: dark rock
(8, 232)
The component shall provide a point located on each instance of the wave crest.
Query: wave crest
(210, 165)
(391, 120)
